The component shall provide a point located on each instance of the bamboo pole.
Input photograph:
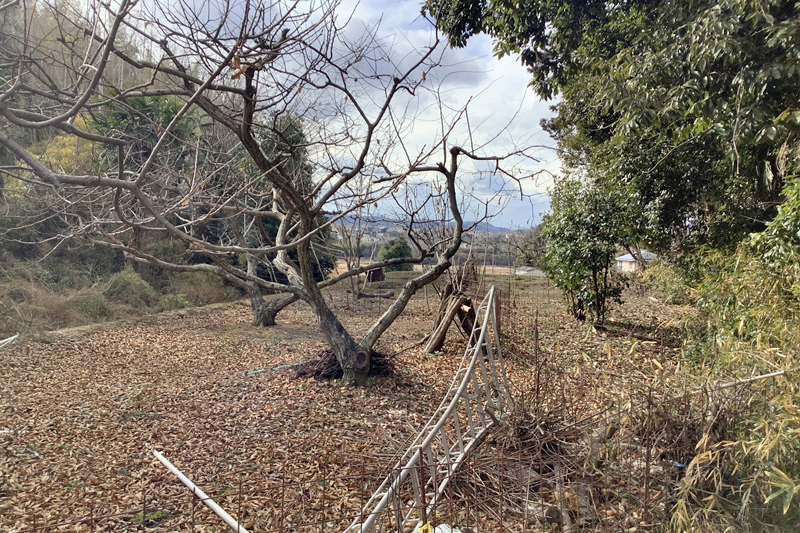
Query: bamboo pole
(6, 342)
(720, 386)
(211, 504)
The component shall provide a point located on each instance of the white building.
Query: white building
(627, 263)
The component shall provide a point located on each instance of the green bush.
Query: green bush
(171, 302)
(748, 325)
(396, 249)
(77, 265)
(128, 287)
(93, 306)
(168, 250)
(667, 282)
(581, 233)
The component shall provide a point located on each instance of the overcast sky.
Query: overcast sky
(499, 92)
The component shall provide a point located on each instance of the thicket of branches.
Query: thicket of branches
(241, 130)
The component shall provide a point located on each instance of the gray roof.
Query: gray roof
(628, 258)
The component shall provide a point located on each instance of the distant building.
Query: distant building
(528, 271)
(627, 263)
(375, 275)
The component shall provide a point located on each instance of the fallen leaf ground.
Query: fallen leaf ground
(80, 409)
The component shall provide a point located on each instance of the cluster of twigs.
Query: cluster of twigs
(523, 477)
(534, 432)
(325, 366)
(547, 468)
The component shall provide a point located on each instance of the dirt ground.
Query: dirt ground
(81, 409)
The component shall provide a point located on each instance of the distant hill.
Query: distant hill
(378, 223)
(487, 227)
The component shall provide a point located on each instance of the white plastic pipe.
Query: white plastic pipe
(6, 342)
(211, 504)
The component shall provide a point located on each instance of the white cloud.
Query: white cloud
(503, 113)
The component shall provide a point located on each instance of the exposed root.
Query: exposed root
(326, 367)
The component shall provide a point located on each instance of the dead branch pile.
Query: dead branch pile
(326, 367)
(549, 469)
(534, 431)
(532, 459)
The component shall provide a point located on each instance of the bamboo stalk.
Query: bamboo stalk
(748, 380)
(211, 504)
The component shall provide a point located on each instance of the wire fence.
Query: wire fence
(564, 459)
(558, 479)
(491, 493)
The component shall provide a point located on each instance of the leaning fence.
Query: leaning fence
(478, 398)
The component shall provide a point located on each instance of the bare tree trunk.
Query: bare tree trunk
(353, 358)
(135, 242)
(437, 338)
(265, 311)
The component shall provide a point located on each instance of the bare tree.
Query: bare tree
(284, 119)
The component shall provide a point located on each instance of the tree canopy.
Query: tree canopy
(684, 115)
(397, 248)
(689, 107)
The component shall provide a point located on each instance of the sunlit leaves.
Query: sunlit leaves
(581, 235)
(784, 488)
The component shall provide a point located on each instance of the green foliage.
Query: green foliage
(129, 288)
(75, 264)
(750, 318)
(690, 108)
(396, 249)
(141, 120)
(72, 263)
(544, 33)
(284, 140)
(166, 249)
(581, 234)
(663, 279)
(93, 306)
(748, 325)
(745, 300)
(728, 66)
(731, 66)
(779, 244)
(170, 302)
(66, 154)
(684, 191)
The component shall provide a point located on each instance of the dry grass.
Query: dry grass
(30, 307)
